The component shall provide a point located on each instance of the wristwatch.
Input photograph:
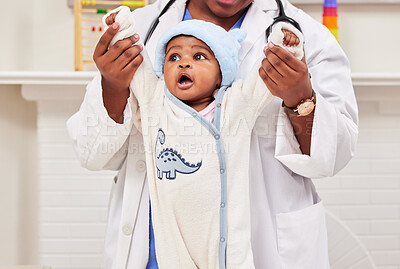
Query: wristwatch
(303, 108)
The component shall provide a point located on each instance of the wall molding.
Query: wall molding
(45, 78)
(71, 85)
(375, 79)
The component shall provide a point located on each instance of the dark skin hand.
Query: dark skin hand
(117, 66)
(288, 78)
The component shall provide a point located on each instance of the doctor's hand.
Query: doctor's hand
(118, 63)
(285, 76)
(117, 66)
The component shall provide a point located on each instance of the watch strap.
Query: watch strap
(294, 110)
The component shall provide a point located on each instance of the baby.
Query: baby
(196, 122)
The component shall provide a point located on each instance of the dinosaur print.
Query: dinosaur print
(169, 161)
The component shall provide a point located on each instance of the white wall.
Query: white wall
(53, 31)
(366, 194)
(18, 179)
(367, 34)
(40, 37)
(16, 45)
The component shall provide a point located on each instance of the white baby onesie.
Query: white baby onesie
(198, 171)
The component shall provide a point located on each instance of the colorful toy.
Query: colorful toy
(89, 28)
(330, 17)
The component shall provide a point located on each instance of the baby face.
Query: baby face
(191, 71)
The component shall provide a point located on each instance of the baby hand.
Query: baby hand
(290, 39)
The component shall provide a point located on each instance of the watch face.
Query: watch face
(306, 108)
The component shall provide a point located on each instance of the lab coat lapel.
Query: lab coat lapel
(172, 17)
(259, 16)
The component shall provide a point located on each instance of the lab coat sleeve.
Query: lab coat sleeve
(100, 142)
(335, 125)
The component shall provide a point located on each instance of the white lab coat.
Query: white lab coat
(287, 217)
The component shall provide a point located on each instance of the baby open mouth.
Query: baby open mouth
(185, 81)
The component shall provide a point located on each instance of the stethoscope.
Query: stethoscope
(281, 18)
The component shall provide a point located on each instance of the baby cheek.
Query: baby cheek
(220, 78)
(169, 79)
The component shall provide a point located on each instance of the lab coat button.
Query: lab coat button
(222, 205)
(127, 229)
(222, 171)
(140, 166)
(217, 137)
(222, 239)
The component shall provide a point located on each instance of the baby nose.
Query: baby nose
(184, 65)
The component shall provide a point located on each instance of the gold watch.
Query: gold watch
(303, 108)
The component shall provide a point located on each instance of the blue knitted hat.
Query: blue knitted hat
(225, 46)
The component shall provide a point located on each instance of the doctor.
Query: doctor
(287, 149)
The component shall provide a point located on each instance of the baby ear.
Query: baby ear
(238, 34)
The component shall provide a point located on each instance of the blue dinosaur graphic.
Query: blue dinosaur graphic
(169, 161)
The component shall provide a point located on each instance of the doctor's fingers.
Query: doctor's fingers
(128, 56)
(104, 41)
(111, 19)
(278, 64)
(120, 47)
(271, 71)
(131, 68)
(107, 63)
(268, 81)
(288, 58)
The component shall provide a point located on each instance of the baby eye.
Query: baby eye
(174, 58)
(199, 57)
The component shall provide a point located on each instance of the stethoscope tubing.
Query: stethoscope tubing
(281, 18)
